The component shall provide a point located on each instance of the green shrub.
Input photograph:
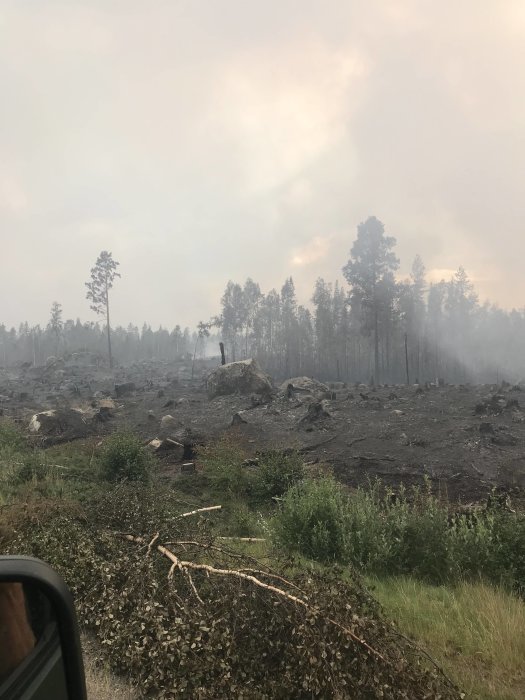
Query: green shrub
(223, 466)
(408, 535)
(241, 521)
(276, 473)
(124, 458)
(314, 520)
(11, 436)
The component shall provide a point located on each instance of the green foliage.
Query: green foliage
(241, 640)
(410, 534)
(124, 458)
(223, 466)
(11, 436)
(313, 520)
(276, 473)
(240, 521)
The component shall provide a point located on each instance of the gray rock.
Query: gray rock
(305, 385)
(63, 422)
(168, 425)
(124, 389)
(245, 377)
(162, 446)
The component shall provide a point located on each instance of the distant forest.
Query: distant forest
(375, 328)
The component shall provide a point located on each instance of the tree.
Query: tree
(234, 314)
(102, 277)
(203, 331)
(56, 324)
(370, 273)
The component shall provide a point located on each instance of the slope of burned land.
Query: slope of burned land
(465, 439)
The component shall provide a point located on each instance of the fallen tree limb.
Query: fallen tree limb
(199, 510)
(211, 570)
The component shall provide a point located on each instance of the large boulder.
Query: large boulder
(304, 385)
(168, 425)
(67, 423)
(244, 377)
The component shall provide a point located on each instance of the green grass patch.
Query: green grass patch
(476, 632)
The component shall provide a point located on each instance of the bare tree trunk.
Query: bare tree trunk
(223, 355)
(110, 355)
(406, 359)
(376, 344)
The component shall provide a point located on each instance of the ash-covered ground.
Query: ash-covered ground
(465, 439)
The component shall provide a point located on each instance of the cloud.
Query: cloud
(311, 252)
(205, 141)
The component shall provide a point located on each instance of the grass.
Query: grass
(101, 683)
(476, 632)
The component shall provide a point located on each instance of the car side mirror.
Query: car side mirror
(40, 652)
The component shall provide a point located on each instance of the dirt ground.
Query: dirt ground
(465, 439)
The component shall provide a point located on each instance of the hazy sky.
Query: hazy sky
(207, 140)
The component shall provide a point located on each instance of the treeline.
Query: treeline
(374, 328)
(377, 328)
(35, 344)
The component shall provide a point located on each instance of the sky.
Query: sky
(207, 140)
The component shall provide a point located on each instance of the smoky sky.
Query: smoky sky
(202, 141)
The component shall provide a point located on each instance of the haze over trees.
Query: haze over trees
(376, 326)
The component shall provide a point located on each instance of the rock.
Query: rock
(238, 420)
(102, 414)
(68, 423)
(316, 411)
(169, 403)
(304, 385)
(168, 425)
(124, 389)
(162, 446)
(245, 377)
(151, 415)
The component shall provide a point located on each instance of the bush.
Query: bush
(11, 436)
(124, 458)
(223, 466)
(314, 520)
(276, 473)
(408, 535)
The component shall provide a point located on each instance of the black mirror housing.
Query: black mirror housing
(54, 668)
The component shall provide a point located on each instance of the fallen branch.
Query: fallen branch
(199, 510)
(206, 568)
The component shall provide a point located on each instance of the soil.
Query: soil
(465, 439)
